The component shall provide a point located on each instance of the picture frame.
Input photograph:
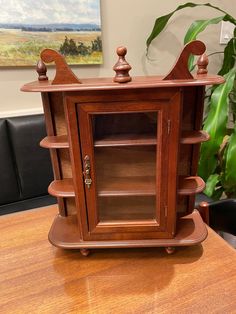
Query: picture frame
(72, 27)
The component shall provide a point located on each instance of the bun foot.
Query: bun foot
(170, 249)
(84, 252)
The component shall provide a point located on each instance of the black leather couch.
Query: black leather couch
(25, 168)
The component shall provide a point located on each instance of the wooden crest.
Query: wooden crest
(64, 74)
(180, 70)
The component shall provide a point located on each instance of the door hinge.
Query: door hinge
(166, 210)
(168, 126)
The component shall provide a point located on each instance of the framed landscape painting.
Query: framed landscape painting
(72, 27)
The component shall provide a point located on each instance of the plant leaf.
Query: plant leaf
(229, 57)
(215, 125)
(229, 18)
(211, 183)
(161, 22)
(196, 28)
(230, 165)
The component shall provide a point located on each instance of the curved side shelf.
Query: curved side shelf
(190, 185)
(194, 137)
(60, 141)
(62, 188)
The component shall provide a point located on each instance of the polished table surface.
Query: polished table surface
(39, 278)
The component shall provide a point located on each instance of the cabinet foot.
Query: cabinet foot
(84, 252)
(170, 249)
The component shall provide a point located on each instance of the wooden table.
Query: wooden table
(39, 278)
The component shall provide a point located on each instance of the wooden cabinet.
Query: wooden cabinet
(125, 155)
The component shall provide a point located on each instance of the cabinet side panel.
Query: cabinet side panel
(65, 163)
(48, 105)
(60, 128)
(199, 107)
(173, 159)
(58, 113)
(193, 101)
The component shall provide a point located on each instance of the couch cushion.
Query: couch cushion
(9, 190)
(32, 162)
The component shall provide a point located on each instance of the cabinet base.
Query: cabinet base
(191, 230)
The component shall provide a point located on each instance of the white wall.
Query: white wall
(128, 23)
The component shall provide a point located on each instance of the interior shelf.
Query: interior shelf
(60, 141)
(194, 137)
(126, 140)
(127, 186)
(188, 137)
(146, 186)
(62, 188)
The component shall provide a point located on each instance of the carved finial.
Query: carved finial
(180, 70)
(202, 64)
(42, 71)
(122, 67)
(64, 74)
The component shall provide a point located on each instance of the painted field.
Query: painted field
(22, 48)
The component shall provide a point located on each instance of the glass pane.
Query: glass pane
(125, 147)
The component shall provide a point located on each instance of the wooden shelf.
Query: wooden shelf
(190, 185)
(191, 230)
(126, 140)
(131, 186)
(188, 137)
(62, 188)
(127, 186)
(194, 137)
(60, 141)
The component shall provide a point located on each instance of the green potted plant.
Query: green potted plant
(217, 165)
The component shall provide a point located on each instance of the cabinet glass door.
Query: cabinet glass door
(125, 154)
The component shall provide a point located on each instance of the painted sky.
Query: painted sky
(53, 11)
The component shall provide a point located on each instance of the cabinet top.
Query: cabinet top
(66, 80)
(108, 84)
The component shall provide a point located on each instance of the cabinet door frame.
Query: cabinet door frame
(168, 131)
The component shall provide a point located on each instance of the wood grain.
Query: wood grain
(38, 278)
